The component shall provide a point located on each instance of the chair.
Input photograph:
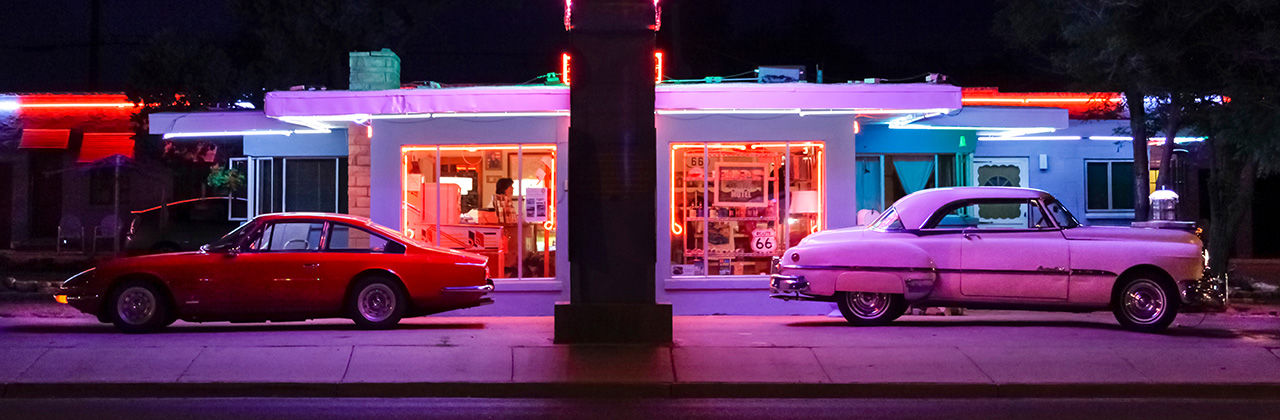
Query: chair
(69, 228)
(109, 227)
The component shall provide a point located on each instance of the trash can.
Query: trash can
(1164, 205)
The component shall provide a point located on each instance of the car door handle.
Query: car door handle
(311, 265)
(968, 235)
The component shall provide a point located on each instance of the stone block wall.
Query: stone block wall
(358, 170)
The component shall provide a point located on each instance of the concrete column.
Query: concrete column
(612, 178)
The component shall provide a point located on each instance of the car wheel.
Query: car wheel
(1145, 304)
(376, 302)
(864, 308)
(138, 306)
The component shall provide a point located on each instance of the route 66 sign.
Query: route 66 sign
(763, 241)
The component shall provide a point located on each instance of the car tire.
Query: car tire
(1145, 303)
(865, 309)
(377, 302)
(137, 306)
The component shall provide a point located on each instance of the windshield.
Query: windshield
(229, 240)
(1060, 213)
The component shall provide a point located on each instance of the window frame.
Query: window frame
(328, 232)
(1111, 206)
(258, 230)
(284, 181)
(930, 224)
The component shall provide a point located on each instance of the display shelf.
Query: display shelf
(734, 253)
(733, 219)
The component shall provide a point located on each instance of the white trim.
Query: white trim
(741, 282)
(248, 212)
(532, 284)
(1115, 214)
(1111, 205)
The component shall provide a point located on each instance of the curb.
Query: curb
(1268, 391)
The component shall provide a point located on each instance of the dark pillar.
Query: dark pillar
(612, 178)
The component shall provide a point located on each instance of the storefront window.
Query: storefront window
(734, 206)
(495, 200)
(897, 175)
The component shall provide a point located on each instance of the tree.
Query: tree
(305, 42)
(1187, 56)
(290, 42)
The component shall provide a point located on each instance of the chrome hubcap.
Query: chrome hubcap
(136, 305)
(376, 302)
(867, 305)
(1144, 302)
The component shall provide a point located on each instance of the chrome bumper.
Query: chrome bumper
(788, 287)
(1204, 295)
(468, 289)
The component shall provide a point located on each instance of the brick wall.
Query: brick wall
(358, 170)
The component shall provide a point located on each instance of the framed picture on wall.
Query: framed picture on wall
(741, 184)
(493, 160)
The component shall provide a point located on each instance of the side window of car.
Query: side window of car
(1011, 214)
(953, 216)
(289, 236)
(349, 238)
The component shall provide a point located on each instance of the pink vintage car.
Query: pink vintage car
(995, 248)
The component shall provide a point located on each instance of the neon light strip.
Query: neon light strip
(1159, 139)
(563, 113)
(79, 105)
(1039, 100)
(475, 148)
(1099, 138)
(658, 57)
(1002, 138)
(404, 192)
(243, 133)
(822, 193)
(564, 65)
(678, 229)
(802, 112)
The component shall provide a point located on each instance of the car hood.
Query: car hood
(1113, 233)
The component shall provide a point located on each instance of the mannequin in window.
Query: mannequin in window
(505, 208)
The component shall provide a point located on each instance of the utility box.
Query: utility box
(374, 70)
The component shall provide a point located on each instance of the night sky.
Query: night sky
(46, 43)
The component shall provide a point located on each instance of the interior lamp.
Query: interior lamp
(804, 202)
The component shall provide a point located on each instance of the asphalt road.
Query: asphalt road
(861, 409)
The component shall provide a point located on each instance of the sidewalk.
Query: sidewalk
(981, 354)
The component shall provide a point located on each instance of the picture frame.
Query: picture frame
(741, 184)
(493, 160)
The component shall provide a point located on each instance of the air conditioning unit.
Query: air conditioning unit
(780, 74)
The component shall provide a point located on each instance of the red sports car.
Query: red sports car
(285, 267)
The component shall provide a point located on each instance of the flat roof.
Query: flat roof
(797, 97)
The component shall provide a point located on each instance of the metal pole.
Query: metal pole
(115, 214)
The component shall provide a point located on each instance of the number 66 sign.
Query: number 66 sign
(763, 240)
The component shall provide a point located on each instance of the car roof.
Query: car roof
(916, 208)
(337, 217)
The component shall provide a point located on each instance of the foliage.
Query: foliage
(225, 179)
(1189, 55)
(305, 42)
(289, 42)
